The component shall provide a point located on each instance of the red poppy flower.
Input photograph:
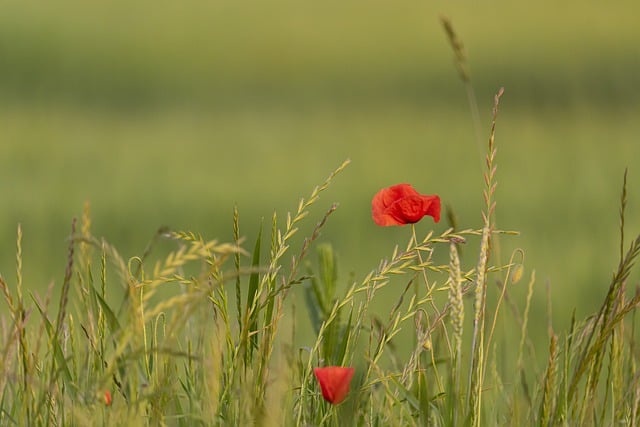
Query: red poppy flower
(107, 398)
(334, 382)
(400, 204)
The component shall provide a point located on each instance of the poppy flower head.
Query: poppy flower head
(401, 204)
(334, 382)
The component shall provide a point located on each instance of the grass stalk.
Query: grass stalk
(476, 373)
(457, 322)
(462, 66)
(549, 384)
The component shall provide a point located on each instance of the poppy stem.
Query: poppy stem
(416, 283)
(414, 240)
(334, 415)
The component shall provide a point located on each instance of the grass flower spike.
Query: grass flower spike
(401, 204)
(334, 382)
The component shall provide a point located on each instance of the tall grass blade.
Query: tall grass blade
(314, 308)
(457, 323)
(110, 317)
(549, 387)
(251, 311)
(476, 375)
(62, 366)
(236, 263)
(593, 349)
(461, 63)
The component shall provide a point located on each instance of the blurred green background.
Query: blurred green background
(169, 113)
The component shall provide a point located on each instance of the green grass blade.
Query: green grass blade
(236, 262)
(112, 319)
(311, 300)
(57, 350)
(328, 274)
(341, 354)
(251, 309)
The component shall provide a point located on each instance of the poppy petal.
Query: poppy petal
(334, 382)
(401, 204)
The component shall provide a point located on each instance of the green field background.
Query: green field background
(169, 113)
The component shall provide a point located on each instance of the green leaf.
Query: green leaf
(346, 337)
(112, 320)
(271, 285)
(254, 282)
(311, 299)
(236, 261)
(328, 273)
(423, 396)
(57, 351)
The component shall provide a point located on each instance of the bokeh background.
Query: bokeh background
(169, 113)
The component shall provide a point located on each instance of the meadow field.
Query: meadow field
(172, 113)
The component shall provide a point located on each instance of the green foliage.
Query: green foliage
(250, 321)
(321, 297)
(152, 340)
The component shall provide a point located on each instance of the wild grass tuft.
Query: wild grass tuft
(200, 332)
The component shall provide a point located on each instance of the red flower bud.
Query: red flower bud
(334, 382)
(401, 204)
